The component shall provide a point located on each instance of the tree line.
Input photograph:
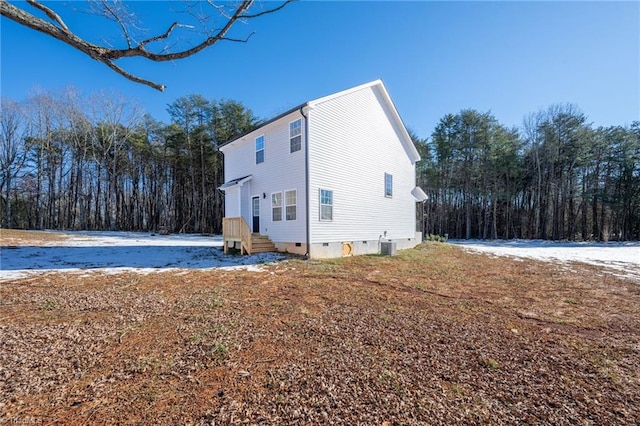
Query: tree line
(98, 162)
(70, 161)
(557, 177)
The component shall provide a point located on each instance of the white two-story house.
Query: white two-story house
(334, 176)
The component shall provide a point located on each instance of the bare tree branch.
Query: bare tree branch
(113, 13)
(265, 12)
(107, 55)
(132, 77)
(159, 37)
(50, 13)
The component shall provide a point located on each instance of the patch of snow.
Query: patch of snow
(622, 259)
(116, 252)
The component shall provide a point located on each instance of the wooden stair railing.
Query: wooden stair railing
(236, 229)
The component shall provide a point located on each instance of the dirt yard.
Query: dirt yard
(434, 335)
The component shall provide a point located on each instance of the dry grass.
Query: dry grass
(432, 336)
(15, 237)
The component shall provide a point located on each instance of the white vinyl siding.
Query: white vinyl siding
(290, 204)
(245, 207)
(295, 136)
(232, 207)
(280, 171)
(276, 206)
(353, 141)
(326, 205)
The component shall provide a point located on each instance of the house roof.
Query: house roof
(233, 182)
(406, 139)
(263, 124)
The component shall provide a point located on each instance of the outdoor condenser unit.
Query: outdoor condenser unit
(388, 248)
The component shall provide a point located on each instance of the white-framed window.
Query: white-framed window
(290, 204)
(295, 135)
(260, 149)
(388, 185)
(326, 205)
(276, 206)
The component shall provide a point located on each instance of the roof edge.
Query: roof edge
(413, 153)
(411, 148)
(345, 92)
(233, 182)
(264, 123)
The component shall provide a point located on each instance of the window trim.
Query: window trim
(276, 207)
(295, 191)
(259, 150)
(320, 190)
(291, 137)
(388, 189)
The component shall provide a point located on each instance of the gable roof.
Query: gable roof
(405, 138)
(404, 135)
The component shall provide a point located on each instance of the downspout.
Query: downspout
(306, 179)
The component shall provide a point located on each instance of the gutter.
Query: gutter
(306, 178)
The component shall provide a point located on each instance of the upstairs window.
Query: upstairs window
(290, 204)
(295, 135)
(276, 206)
(388, 185)
(260, 149)
(326, 205)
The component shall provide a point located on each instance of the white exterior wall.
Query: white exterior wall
(232, 206)
(352, 144)
(281, 171)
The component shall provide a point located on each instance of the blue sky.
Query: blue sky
(510, 58)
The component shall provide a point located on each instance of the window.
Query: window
(388, 185)
(260, 149)
(290, 203)
(326, 204)
(295, 135)
(276, 206)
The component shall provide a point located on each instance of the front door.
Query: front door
(255, 208)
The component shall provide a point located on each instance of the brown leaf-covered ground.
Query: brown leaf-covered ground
(434, 335)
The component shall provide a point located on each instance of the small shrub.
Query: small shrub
(489, 363)
(216, 300)
(219, 351)
(49, 305)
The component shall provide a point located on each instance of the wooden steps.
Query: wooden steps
(261, 244)
(235, 230)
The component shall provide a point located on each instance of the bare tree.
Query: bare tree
(115, 120)
(12, 154)
(202, 16)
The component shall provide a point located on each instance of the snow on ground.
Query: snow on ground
(622, 259)
(113, 252)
